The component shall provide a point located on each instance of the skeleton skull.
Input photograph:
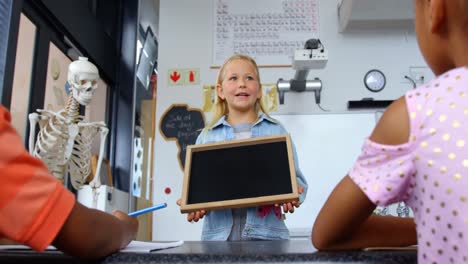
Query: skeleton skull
(83, 77)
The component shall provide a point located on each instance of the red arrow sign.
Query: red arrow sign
(175, 76)
(191, 76)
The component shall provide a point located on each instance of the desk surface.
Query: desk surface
(296, 251)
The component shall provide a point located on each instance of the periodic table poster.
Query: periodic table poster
(267, 30)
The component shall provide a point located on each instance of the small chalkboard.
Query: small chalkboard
(182, 124)
(239, 173)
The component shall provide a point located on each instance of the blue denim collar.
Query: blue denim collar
(261, 116)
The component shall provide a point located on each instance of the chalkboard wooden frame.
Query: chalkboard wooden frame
(286, 163)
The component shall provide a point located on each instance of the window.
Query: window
(22, 75)
(57, 70)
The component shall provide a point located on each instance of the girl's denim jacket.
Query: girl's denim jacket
(218, 223)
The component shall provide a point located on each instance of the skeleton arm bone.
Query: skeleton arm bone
(33, 120)
(99, 124)
(103, 131)
(96, 182)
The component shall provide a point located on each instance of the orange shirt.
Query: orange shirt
(33, 204)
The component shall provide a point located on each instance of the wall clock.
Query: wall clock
(374, 80)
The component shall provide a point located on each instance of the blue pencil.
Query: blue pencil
(149, 209)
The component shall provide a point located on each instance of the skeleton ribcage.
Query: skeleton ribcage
(79, 164)
(50, 145)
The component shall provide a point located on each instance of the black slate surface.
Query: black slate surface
(294, 251)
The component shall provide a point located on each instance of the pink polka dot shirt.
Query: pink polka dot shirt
(430, 171)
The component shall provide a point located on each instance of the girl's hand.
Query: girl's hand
(289, 207)
(193, 216)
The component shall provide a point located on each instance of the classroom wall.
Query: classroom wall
(185, 41)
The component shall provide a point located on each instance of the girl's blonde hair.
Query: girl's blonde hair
(220, 107)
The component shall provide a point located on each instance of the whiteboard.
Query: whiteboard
(327, 146)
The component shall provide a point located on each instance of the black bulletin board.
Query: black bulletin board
(239, 173)
(183, 125)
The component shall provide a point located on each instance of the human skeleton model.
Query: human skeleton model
(65, 138)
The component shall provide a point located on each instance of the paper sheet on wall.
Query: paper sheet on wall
(267, 30)
(134, 246)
